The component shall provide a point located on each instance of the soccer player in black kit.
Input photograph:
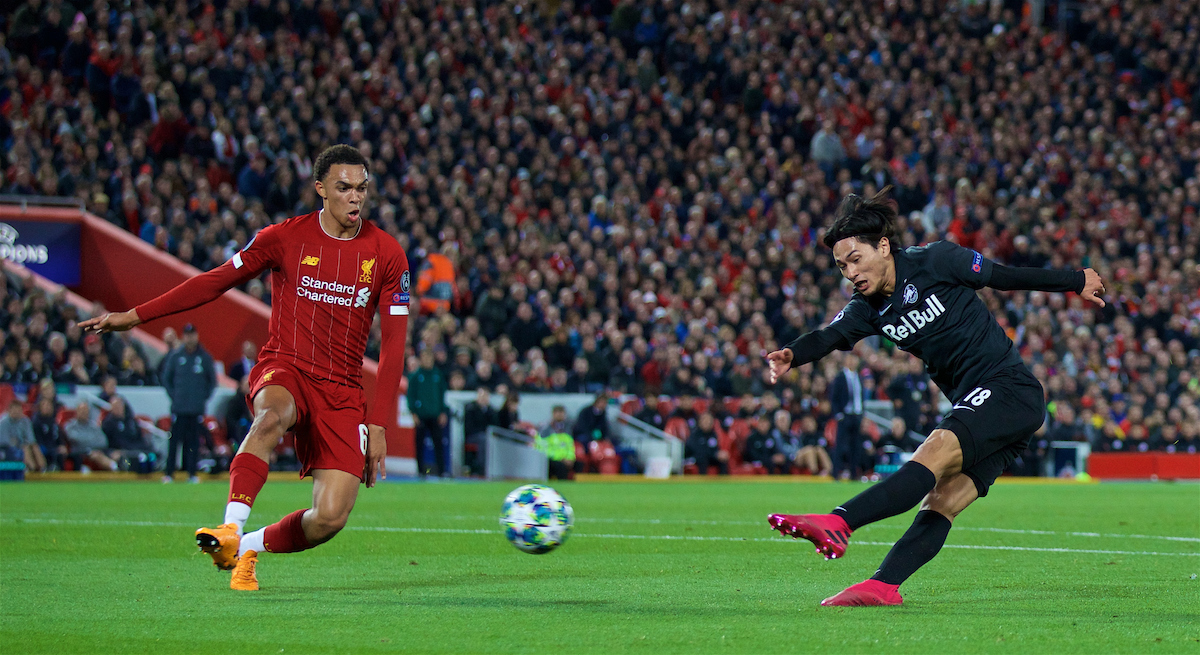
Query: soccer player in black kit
(923, 299)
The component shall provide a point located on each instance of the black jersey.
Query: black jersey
(934, 314)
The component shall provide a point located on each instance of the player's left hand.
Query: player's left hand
(376, 454)
(1093, 286)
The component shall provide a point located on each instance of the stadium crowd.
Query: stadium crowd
(631, 195)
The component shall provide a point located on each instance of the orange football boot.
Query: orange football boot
(221, 543)
(244, 578)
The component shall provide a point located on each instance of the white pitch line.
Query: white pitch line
(892, 526)
(647, 537)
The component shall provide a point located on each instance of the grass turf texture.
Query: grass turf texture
(111, 567)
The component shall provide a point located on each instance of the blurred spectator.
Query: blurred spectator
(703, 446)
(49, 434)
(649, 413)
(238, 416)
(17, 442)
(189, 378)
(908, 391)
(592, 422)
(897, 440)
(846, 396)
(789, 442)
(555, 441)
(87, 441)
(241, 368)
(137, 375)
(127, 444)
(761, 449)
(509, 415)
(427, 401)
(814, 450)
(108, 391)
(478, 415)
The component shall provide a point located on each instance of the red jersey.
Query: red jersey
(324, 292)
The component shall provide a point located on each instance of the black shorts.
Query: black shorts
(995, 422)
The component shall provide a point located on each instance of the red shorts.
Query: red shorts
(330, 433)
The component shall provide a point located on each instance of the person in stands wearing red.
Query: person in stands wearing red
(331, 270)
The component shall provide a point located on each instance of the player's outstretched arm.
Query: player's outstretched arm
(112, 322)
(808, 348)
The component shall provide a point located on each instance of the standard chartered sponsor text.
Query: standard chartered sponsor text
(323, 291)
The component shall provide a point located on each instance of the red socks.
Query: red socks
(287, 536)
(247, 475)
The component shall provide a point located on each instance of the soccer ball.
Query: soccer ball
(536, 519)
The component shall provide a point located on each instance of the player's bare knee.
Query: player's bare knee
(941, 503)
(940, 453)
(268, 425)
(327, 525)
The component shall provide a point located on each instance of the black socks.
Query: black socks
(900, 492)
(919, 544)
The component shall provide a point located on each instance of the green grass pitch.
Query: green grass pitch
(674, 567)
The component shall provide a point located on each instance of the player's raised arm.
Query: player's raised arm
(1086, 283)
(967, 267)
(195, 291)
(393, 319)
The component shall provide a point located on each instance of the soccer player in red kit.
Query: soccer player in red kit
(331, 269)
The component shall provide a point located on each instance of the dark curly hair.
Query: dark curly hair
(867, 219)
(334, 155)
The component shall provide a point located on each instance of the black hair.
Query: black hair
(334, 155)
(867, 219)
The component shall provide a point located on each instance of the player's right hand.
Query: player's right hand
(780, 362)
(1093, 287)
(112, 322)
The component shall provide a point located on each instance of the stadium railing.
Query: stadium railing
(24, 202)
(646, 439)
(512, 455)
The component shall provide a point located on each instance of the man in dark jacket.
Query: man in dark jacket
(189, 379)
(846, 397)
(761, 449)
(427, 401)
(650, 415)
(477, 417)
(703, 447)
(592, 423)
(126, 443)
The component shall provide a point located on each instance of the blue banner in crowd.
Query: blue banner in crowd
(47, 248)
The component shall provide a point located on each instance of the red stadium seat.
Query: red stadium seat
(217, 430)
(631, 406)
(677, 427)
(605, 457)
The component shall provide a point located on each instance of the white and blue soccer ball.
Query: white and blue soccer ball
(536, 519)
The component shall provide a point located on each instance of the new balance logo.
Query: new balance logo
(914, 320)
(311, 260)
